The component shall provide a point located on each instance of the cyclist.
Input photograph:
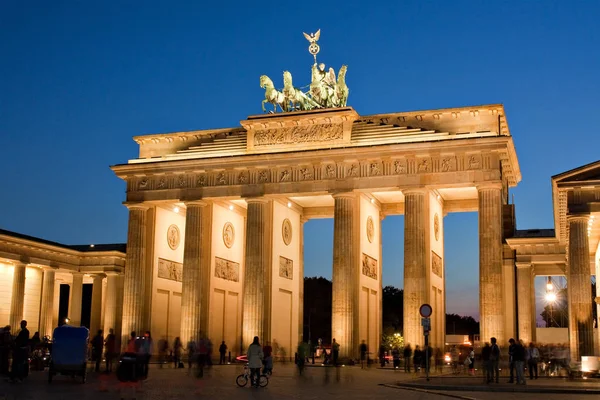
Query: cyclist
(255, 357)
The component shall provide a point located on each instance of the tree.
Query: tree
(393, 308)
(317, 309)
(460, 325)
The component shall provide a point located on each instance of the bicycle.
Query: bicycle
(243, 379)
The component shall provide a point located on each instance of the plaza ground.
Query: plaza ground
(219, 383)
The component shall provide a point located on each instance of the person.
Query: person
(145, 352)
(255, 356)
(382, 355)
(20, 354)
(35, 341)
(163, 348)
(222, 352)
(486, 351)
(533, 357)
(363, 354)
(335, 348)
(407, 354)
(471, 362)
(97, 345)
(132, 344)
(6, 344)
(268, 359)
(511, 361)
(519, 360)
(439, 359)
(191, 352)
(495, 360)
(202, 355)
(396, 357)
(417, 359)
(110, 349)
(302, 352)
(177, 346)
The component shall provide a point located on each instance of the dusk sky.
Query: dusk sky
(78, 79)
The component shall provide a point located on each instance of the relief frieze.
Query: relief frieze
(228, 270)
(369, 266)
(399, 167)
(436, 264)
(299, 134)
(170, 270)
(286, 268)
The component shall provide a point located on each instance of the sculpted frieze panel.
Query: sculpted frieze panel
(299, 134)
(352, 170)
(424, 165)
(221, 178)
(447, 164)
(400, 167)
(330, 171)
(170, 270)
(436, 264)
(375, 169)
(201, 180)
(264, 176)
(286, 268)
(228, 270)
(285, 175)
(474, 161)
(306, 173)
(369, 266)
(242, 177)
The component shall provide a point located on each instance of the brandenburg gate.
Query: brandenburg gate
(215, 243)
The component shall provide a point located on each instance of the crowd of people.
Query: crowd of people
(19, 348)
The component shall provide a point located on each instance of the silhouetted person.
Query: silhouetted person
(495, 361)
(382, 355)
(97, 346)
(268, 358)
(255, 356)
(177, 348)
(417, 359)
(110, 349)
(519, 360)
(222, 352)
(363, 354)
(20, 354)
(407, 354)
(486, 351)
(511, 361)
(145, 352)
(533, 357)
(35, 341)
(6, 345)
(335, 349)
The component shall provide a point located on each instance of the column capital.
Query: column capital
(415, 190)
(523, 264)
(260, 200)
(197, 203)
(578, 217)
(350, 195)
(497, 185)
(112, 273)
(137, 206)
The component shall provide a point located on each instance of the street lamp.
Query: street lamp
(550, 296)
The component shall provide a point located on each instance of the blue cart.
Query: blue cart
(69, 352)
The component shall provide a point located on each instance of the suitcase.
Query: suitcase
(128, 369)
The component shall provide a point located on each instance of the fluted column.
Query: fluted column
(491, 289)
(415, 263)
(134, 286)
(344, 313)
(579, 289)
(525, 307)
(254, 319)
(18, 296)
(75, 299)
(47, 304)
(192, 298)
(96, 312)
(301, 282)
(110, 303)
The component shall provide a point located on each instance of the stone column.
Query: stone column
(255, 322)
(47, 303)
(491, 288)
(194, 262)
(75, 299)
(579, 289)
(524, 305)
(110, 303)
(301, 281)
(18, 296)
(415, 263)
(344, 313)
(134, 287)
(96, 312)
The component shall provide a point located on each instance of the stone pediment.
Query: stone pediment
(586, 173)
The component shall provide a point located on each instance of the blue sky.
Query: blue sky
(80, 78)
